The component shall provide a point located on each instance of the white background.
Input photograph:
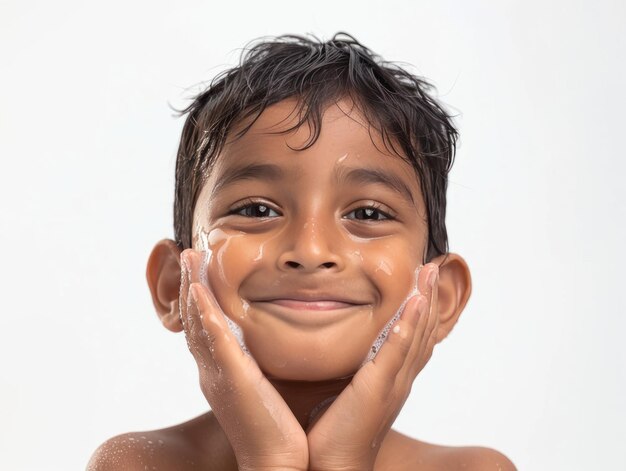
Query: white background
(535, 367)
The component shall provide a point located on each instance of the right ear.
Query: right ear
(163, 275)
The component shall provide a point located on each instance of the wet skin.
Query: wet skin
(311, 253)
(310, 257)
(320, 224)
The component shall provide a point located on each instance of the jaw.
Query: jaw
(303, 353)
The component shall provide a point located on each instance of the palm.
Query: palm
(358, 412)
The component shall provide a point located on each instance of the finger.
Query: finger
(224, 347)
(431, 275)
(191, 309)
(393, 353)
(375, 383)
(423, 349)
(198, 341)
(209, 306)
(195, 261)
(240, 396)
(433, 313)
(192, 258)
(413, 324)
(412, 316)
(413, 358)
(184, 289)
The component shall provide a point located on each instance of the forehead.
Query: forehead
(343, 129)
(347, 151)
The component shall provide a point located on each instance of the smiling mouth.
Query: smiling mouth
(318, 305)
(313, 313)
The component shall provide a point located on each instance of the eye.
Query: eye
(369, 213)
(255, 210)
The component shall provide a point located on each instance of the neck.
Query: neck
(308, 398)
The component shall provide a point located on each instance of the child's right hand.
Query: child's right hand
(259, 425)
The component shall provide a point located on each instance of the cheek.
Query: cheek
(392, 270)
(234, 256)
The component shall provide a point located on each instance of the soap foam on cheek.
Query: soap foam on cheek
(213, 238)
(382, 336)
(206, 241)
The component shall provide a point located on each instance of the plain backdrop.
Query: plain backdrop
(535, 367)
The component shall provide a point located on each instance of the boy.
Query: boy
(310, 271)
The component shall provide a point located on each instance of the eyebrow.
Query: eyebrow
(365, 176)
(247, 172)
(356, 176)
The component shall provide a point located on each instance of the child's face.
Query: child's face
(312, 251)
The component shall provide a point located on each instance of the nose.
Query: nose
(311, 247)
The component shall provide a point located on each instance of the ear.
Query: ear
(163, 275)
(454, 289)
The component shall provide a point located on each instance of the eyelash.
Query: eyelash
(369, 210)
(374, 208)
(251, 204)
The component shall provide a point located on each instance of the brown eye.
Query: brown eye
(369, 213)
(255, 210)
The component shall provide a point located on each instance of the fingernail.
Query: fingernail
(432, 277)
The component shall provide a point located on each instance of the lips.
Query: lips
(312, 305)
(313, 309)
(316, 300)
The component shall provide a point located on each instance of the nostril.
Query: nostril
(295, 265)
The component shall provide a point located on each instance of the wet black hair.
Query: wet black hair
(396, 103)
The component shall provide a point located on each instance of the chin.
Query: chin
(306, 364)
(307, 372)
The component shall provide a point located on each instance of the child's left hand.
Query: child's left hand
(349, 433)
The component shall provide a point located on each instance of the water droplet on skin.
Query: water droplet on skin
(260, 254)
(244, 306)
(341, 159)
(215, 237)
(357, 253)
(384, 267)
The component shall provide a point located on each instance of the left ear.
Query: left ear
(455, 287)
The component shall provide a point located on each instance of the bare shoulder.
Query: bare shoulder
(187, 446)
(479, 458)
(132, 451)
(404, 453)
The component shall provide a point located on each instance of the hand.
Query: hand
(348, 434)
(259, 425)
